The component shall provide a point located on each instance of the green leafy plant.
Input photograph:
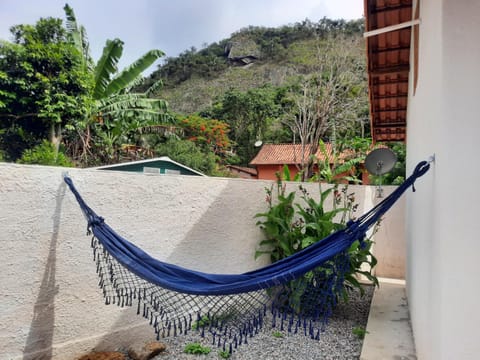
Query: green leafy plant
(286, 175)
(45, 154)
(359, 254)
(224, 354)
(277, 334)
(336, 168)
(204, 321)
(360, 332)
(196, 348)
(291, 226)
(189, 154)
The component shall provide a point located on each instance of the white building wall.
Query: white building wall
(443, 242)
(390, 239)
(51, 306)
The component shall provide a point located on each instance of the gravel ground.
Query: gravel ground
(337, 342)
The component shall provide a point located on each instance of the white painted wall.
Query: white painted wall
(50, 302)
(390, 241)
(442, 236)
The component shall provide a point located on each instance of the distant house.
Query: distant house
(272, 157)
(160, 165)
(243, 171)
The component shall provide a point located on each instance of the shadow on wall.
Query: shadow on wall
(40, 337)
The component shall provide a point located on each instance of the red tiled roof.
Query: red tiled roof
(388, 57)
(285, 154)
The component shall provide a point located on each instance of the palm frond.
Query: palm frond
(86, 50)
(131, 99)
(154, 89)
(78, 36)
(106, 67)
(134, 83)
(72, 28)
(131, 72)
(136, 106)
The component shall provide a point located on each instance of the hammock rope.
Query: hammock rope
(231, 307)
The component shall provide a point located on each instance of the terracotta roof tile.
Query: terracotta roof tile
(281, 154)
(388, 59)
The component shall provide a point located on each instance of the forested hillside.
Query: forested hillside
(271, 84)
(258, 56)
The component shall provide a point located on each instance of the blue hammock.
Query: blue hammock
(127, 273)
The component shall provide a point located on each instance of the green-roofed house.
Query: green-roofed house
(161, 165)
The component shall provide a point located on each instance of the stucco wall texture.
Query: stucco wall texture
(51, 306)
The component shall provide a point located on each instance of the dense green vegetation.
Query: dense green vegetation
(298, 83)
(269, 45)
(291, 226)
(51, 89)
(302, 83)
(43, 89)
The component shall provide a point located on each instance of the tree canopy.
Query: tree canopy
(52, 89)
(42, 86)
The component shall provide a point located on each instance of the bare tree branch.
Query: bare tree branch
(326, 101)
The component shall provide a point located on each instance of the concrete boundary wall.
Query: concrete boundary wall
(51, 305)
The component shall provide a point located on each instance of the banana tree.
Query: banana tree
(115, 108)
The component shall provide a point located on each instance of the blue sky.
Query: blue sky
(171, 25)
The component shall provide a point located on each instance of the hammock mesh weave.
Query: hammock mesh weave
(298, 293)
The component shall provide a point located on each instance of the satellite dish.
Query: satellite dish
(258, 143)
(380, 161)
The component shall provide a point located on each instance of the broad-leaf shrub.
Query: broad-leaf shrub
(291, 226)
(45, 154)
